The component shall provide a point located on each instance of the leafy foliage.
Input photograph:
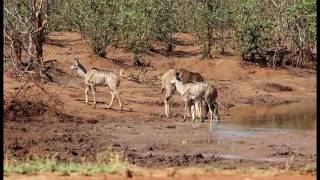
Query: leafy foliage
(253, 30)
(212, 21)
(98, 21)
(17, 14)
(135, 25)
(276, 33)
(270, 32)
(164, 21)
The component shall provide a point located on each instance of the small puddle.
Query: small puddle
(299, 116)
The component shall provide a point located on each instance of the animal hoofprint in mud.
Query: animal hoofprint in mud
(98, 77)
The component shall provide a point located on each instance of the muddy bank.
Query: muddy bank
(159, 143)
(184, 174)
(143, 134)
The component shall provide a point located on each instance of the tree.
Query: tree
(302, 27)
(98, 21)
(24, 23)
(252, 30)
(213, 22)
(135, 21)
(204, 21)
(164, 21)
(223, 23)
(60, 15)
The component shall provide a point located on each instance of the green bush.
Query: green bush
(212, 22)
(164, 21)
(98, 21)
(135, 25)
(273, 32)
(252, 30)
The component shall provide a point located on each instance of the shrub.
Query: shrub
(252, 31)
(98, 21)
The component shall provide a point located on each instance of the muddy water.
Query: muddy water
(299, 116)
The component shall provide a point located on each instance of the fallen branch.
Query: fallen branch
(143, 76)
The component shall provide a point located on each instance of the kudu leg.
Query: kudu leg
(167, 107)
(193, 112)
(93, 90)
(185, 111)
(216, 112)
(170, 105)
(211, 109)
(211, 118)
(86, 94)
(166, 104)
(118, 97)
(190, 105)
(112, 99)
(199, 110)
(189, 111)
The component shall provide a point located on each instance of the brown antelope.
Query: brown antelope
(169, 88)
(98, 77)
(198, 91)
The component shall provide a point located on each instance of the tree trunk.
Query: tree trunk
(210, 30)
(36, 33)
(209, 38)
(16, 50)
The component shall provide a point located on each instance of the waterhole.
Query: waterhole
(301, 116)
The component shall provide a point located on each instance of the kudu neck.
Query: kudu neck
(81, 71)
(180, 87)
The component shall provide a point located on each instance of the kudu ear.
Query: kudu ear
(178, 76)
(76, 60)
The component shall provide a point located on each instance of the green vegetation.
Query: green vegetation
(209, 168)
(98, 21)
(252, 170)
(213, 23)
(38, 165)
(310, 168)
(253, 30)
(115, 164)
(269, 32)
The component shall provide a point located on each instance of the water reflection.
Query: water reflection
(300, 115)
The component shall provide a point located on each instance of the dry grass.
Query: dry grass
(114, 164)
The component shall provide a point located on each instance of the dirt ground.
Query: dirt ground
(141, 131)
(292, 176)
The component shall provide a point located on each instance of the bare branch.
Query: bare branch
(275, 3)
(16, 11)
(41, 5)
(283, 3)
(20, 21)
(7, 35)
(40, 28)
(299, 32)
(34, 5)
